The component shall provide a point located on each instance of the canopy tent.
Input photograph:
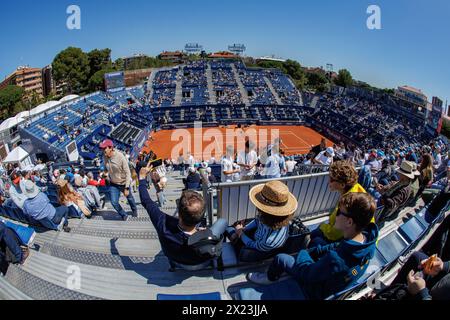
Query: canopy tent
(20, 156)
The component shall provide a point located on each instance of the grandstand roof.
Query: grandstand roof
(43, 107)
(69, 97)
(11, 122)
(271, 58)
(412, 89)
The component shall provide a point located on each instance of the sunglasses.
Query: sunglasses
(339, 212)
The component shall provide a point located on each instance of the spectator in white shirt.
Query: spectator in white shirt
(247, 161)
(290, 165)
(227, 165)
(190, 160)
(272, 166)
(325, 157)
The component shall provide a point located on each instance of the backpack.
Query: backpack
(205, 244)
(398, 291)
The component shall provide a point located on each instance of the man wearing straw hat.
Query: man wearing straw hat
(275, 207)
(398, 193)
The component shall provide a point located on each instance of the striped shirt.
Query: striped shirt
(266, 239)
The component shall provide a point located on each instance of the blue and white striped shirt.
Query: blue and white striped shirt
(266, 239)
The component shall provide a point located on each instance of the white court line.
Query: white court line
(301, 139)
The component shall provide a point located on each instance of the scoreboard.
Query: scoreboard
(114, 81)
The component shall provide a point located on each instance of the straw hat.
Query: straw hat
(407, 169)
(273, 198)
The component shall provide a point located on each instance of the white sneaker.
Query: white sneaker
(61, 224)
(258, 278)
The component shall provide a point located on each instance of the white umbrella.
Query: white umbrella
(39, 167)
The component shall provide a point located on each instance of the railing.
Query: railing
(310, 169)
(312, 192)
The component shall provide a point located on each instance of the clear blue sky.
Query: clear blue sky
(412, 48)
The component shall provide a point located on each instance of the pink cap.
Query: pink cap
(107, 143)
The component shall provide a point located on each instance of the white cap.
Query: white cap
(330, 151)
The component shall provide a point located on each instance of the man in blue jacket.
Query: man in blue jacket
(326, 270)
(174, 233)
(9, 242)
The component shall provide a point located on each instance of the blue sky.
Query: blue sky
(412, 47)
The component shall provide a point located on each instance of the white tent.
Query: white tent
(69, 97)
(20, 156)
(10, 122)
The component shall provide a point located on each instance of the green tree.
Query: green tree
(98, 60)
(446, 128)
(344, 78)
(9, 97)
(119, 64)
(96, 81)
(316, 79)
(72, 67)
(294, 69)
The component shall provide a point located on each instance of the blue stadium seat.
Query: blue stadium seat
(412, 230)
(392, 246)
(284, 290)
(203, 296)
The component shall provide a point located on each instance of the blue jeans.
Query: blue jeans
(161, 198)
(218, 228)
(61, 213)
(114, 194)
(283, 263)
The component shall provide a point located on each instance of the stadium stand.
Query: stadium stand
(124, 260)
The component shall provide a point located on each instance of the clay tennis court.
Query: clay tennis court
(203, 142)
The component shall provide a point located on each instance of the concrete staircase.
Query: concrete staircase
(212, 96)
(152, 76)
(244, 94)
(178, 89)
(314, 102)
(272, 89)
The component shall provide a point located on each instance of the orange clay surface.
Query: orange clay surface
(168, 143)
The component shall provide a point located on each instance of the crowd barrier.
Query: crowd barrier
(315, 199)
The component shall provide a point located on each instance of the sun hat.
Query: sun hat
(407, 169)
(330, 151)
(273, 198)
(29, 189)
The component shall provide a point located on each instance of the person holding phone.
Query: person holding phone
(119, 177)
